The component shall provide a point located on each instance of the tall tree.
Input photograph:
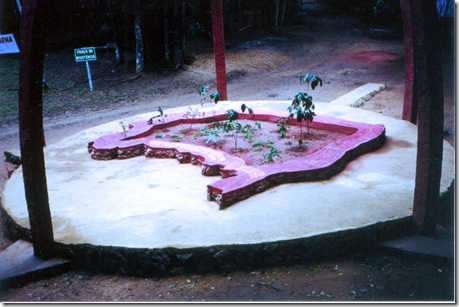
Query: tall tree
(32, 138)
(279, 24)
(126, 22)
(2, 17)
(182, 28)
(113, 24)
(139, 47)
(276, 23)
(284, 7)
(177, 19)
(165, 11)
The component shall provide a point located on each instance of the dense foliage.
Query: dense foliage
(167, 29)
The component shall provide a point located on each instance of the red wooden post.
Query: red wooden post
(219, 46)
(31, 126)
(425, 84)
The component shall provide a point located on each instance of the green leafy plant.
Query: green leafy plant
(212, 135)
(233, 125)
(214, 97)
(269, 157)
(245, 107)
(249, 130)
(125, 126)
(202, 93)
(303, 108)
(302, 105)
(160, 115)
(300, 143)
(177, 137)
(310, 80)
(232, 115)
(192, 114)
(282, 124)
(258, 145)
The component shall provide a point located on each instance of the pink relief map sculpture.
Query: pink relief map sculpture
(239, 180)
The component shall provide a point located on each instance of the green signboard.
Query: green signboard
(85, 54)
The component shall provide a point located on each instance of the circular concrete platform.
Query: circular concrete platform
(158, 203)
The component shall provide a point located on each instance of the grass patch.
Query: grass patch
(80, 91)
(7, 93)
(9, 110)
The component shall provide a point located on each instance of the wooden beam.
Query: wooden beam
(219, 46)
(410, 108)
(31, 126)
(425, 83)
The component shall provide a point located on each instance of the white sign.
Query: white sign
(8, 44)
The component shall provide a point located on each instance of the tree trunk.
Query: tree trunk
(167, 52)
(176, 39)
(114, 27)
(139, 49)
(182, 28)
(31, 126)
(230, 17)
(126, 32)
(424, 87)
(276, 23)
(2, 17)
(284, 8)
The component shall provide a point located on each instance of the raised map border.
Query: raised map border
(240, 181)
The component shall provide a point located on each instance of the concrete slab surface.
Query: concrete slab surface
(358, 96)
(18, 261)
(422, 245)
(159, 203)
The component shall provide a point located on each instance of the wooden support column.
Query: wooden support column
(425, 86)
(219, 46)
(410, 107)
(31, 126)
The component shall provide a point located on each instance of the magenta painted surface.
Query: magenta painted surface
(240, 181)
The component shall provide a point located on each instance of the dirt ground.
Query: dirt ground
(343, 51)
(254, 149)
